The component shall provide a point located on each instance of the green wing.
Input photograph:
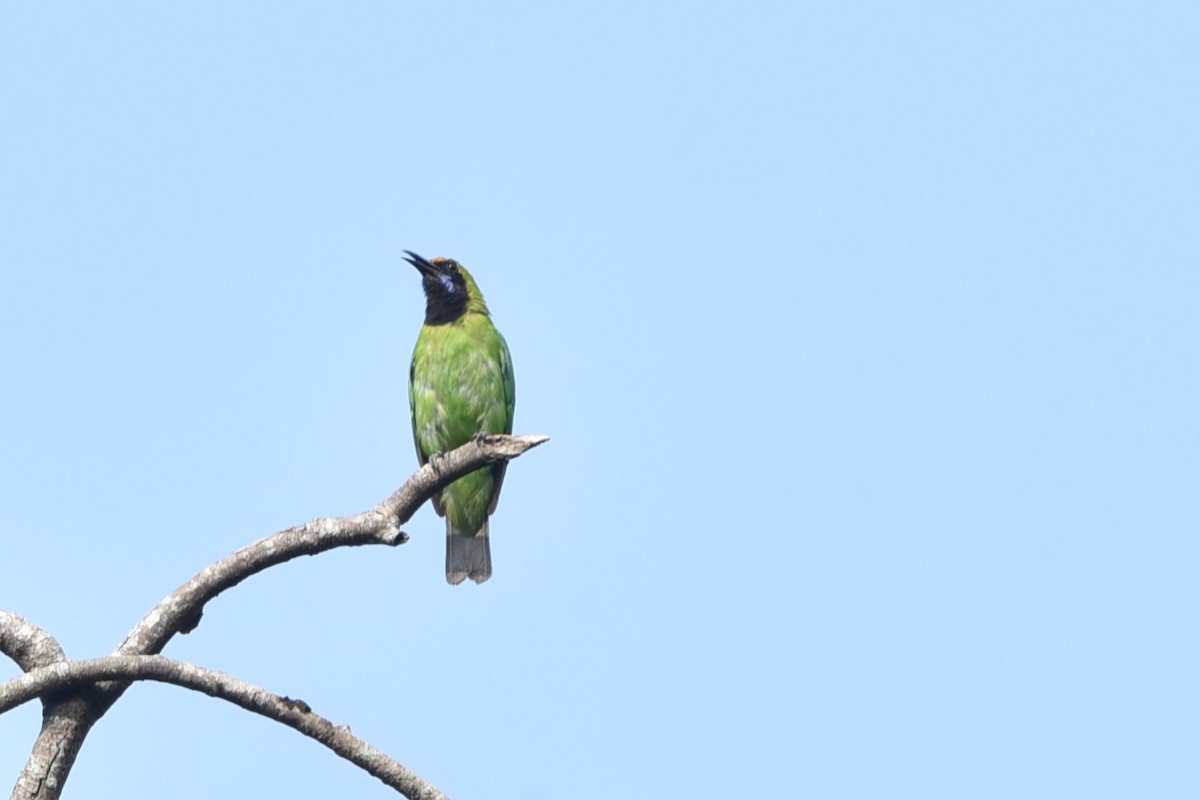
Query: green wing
(510, 404)
(412, 405)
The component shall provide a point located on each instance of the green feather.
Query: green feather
(461, 384)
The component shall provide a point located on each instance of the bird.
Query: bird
(460, 385)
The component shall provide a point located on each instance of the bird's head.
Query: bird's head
(450, 291)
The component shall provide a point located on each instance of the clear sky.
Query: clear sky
(866, 333)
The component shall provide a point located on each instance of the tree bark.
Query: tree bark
(67, 719)
(296, 714)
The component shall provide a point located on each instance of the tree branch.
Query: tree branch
(66, 723)
(180, 611)
(295, 714)
(27, 644)
(33, 648)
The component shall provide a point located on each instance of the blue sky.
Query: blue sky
(866, 334)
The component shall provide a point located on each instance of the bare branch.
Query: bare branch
(293, 713)
(26, 643)
(33, 648)
(64, 730)
(180, 611)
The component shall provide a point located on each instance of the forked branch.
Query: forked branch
(68, 718)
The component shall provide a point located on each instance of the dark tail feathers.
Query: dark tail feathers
(467, 556)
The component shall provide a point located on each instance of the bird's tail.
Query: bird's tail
(467, 556)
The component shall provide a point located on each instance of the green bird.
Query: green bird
(460, 385)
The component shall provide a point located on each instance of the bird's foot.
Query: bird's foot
(435, 461)
(481, 438)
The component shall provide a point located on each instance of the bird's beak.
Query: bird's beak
(420, 263)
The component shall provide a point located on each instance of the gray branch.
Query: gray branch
(27, 644)
(66, 721)
(293, 713)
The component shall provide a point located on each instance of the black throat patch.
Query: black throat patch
(443, 305)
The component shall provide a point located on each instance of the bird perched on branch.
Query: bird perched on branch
(460, 385)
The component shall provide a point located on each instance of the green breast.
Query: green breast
(460, 385)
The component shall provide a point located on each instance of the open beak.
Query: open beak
(420, 263)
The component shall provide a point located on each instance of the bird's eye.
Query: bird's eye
(447, 283)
